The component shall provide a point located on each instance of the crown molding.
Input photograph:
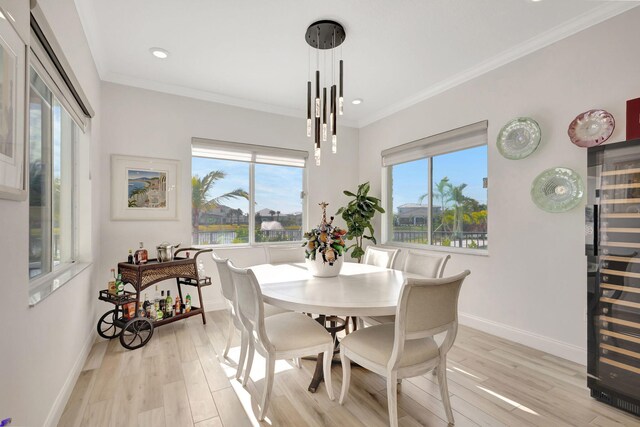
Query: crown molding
(204, 95)
(566, 29)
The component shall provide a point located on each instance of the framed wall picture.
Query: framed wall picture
(13, 93)
(144, 188)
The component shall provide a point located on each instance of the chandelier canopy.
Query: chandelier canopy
(324, 36)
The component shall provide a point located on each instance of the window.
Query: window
(52, 141)
(245, 194)
(437, 190)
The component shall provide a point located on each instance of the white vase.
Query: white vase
(324, 269)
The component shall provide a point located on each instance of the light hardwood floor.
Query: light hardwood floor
(178, 379)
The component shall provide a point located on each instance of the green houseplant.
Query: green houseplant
(358, 215)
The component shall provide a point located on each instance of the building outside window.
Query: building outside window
(436, 190)
(246, 194)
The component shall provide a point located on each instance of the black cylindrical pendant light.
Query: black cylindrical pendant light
(324, 113)
(334, 138)
(341, 97)
(308, 109)
(317, 93)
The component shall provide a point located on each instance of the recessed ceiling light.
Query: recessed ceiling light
(159, 52)
(357, 101)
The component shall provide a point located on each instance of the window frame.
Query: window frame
(56, 270)
(252, 155)
(456, 140)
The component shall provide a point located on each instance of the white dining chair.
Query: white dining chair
(407, 348)
(380, 257)
(229, 294)
(284, 254)
(429, 265)
(281, 336)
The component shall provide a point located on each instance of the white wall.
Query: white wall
(139, 122)
(531, 287)
(41, 345)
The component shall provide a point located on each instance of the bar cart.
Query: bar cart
(136, 331)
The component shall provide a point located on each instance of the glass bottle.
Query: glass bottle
(119, 285)
(130, 257)
(178, 307)
(162, 302)
(187, 303)
(141, 256)
(169, 305)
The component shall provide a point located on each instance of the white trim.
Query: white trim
(562, 31)
(437, 248)
(540, 342)
(65, 392)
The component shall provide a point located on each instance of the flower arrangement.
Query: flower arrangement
(325, 240)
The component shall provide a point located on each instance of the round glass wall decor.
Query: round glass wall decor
(591, 128)
(519, 138)
(557, 190)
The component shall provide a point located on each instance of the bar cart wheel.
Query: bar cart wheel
(136, 333)
(108, 326)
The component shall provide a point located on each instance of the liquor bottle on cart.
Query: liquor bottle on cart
(141, 256)
(162, 303)
(169, 305)
(178, 306)
(119, 285)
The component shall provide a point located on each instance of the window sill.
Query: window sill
(436, 248)
(247, 245)
(42, 287)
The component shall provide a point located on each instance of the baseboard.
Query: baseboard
(214, 305)
(65, 392)
(539, 342)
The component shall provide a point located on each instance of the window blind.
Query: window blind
(52, 66)
(224, 150)
(457, 139)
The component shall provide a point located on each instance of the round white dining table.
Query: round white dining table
(359, 289)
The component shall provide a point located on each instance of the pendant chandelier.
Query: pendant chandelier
(324, 37)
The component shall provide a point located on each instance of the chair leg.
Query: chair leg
(434, 371)
(328, 356)
(244, 343)
(296, 361)
(232, 330)
(360, 323)
(270, 367)
(392, 398)
(247, 370)
(444, 389)
(346, 375)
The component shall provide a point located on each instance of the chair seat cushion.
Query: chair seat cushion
(288, 331)
(270, 310)
(376, 344)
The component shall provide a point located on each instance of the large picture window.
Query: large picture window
(437, 190)
(246, 194)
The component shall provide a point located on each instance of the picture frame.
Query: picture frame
(13, 113)
(144, 188)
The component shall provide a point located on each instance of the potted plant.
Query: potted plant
(358, 215)
(324, 247)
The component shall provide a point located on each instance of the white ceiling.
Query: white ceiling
(252, 53)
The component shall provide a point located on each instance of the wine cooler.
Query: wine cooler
(612, 233)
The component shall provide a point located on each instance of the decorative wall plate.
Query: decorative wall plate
(557, 190)
(591, 128)
(518, 138)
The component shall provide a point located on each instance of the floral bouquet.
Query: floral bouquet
(325, 240)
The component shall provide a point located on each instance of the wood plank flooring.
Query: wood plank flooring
(180, 379)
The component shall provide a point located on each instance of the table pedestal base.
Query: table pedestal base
(333, 325)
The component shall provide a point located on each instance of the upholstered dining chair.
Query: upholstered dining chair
(425, 264)
(380, 257)
(407, 348)
(229, 294)
(283, 254)
(281, 336)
